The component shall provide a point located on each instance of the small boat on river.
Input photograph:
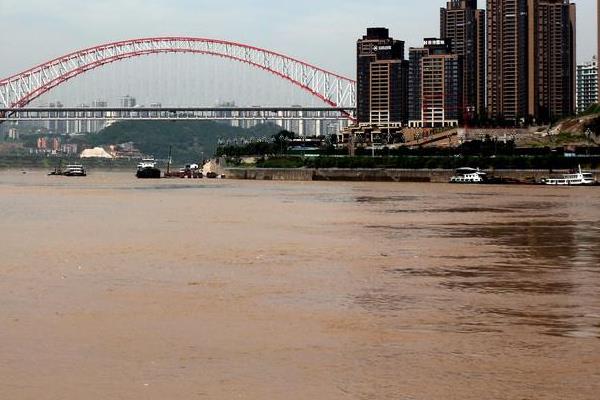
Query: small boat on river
(147, 169)
(58, 170)
(74, 170)
(579, 178)
(469, 175)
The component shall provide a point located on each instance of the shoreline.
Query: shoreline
(509, 176)
(391, 175)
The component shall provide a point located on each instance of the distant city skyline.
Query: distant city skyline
(323, 33)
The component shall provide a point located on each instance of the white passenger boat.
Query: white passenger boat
(580, 178)
(468, 175)
(74, 170)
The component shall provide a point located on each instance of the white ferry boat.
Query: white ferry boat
(580, 178)
(74, 170)
(468, 175)
(147, 169)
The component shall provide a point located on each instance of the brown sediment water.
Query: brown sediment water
(115, 288)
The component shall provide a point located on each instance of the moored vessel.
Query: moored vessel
(579, 178)
(57, 170)
(468, 175)
(191, 171)
(147, 169)
(74, 170)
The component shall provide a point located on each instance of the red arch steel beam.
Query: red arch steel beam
(37, 93)
(333, 89)
(172, 39)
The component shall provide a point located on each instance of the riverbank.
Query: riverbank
(433, 175)
(378, 175)
(40, 162)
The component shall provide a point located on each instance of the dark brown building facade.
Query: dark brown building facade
(415, 57)
(531, 59)
(507, 39)
(552, 62)
(464, 25)
(382, 79)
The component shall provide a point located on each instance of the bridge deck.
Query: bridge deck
(177, 113)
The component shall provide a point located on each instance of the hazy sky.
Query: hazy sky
(322, 32)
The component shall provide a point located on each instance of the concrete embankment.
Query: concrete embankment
(377, 175)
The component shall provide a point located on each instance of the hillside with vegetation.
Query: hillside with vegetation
(580, 130)
(189, 139)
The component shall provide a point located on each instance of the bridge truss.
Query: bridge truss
(19, 90)
(262, 114)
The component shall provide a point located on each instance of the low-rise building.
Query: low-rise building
(42, 143)
(69, 148)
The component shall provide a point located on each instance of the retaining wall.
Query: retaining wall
(376, 175)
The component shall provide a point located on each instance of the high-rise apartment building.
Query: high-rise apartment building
(98, 125)
(587, 85)
(551, 59)
(56, 125)
(464, 25)
(382, 79)
(507, 83)
(441, 85)
(415, 57)
(83, 125)
(128, 102)
(531, 59)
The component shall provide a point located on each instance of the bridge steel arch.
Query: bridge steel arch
(19, 90)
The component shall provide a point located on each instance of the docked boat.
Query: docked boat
(579, 178)
(468, 175)
(74, 170)
(191, 171)
(147, 169)
(57, 170)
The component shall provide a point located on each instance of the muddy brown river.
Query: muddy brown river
(115, 288)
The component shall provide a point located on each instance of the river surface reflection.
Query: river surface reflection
(117, 288)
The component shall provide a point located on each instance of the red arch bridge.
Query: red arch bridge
(338, 93)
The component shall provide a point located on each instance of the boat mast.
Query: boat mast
(169, 161)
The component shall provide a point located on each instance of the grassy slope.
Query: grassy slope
(188, 138)
(571, 131)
